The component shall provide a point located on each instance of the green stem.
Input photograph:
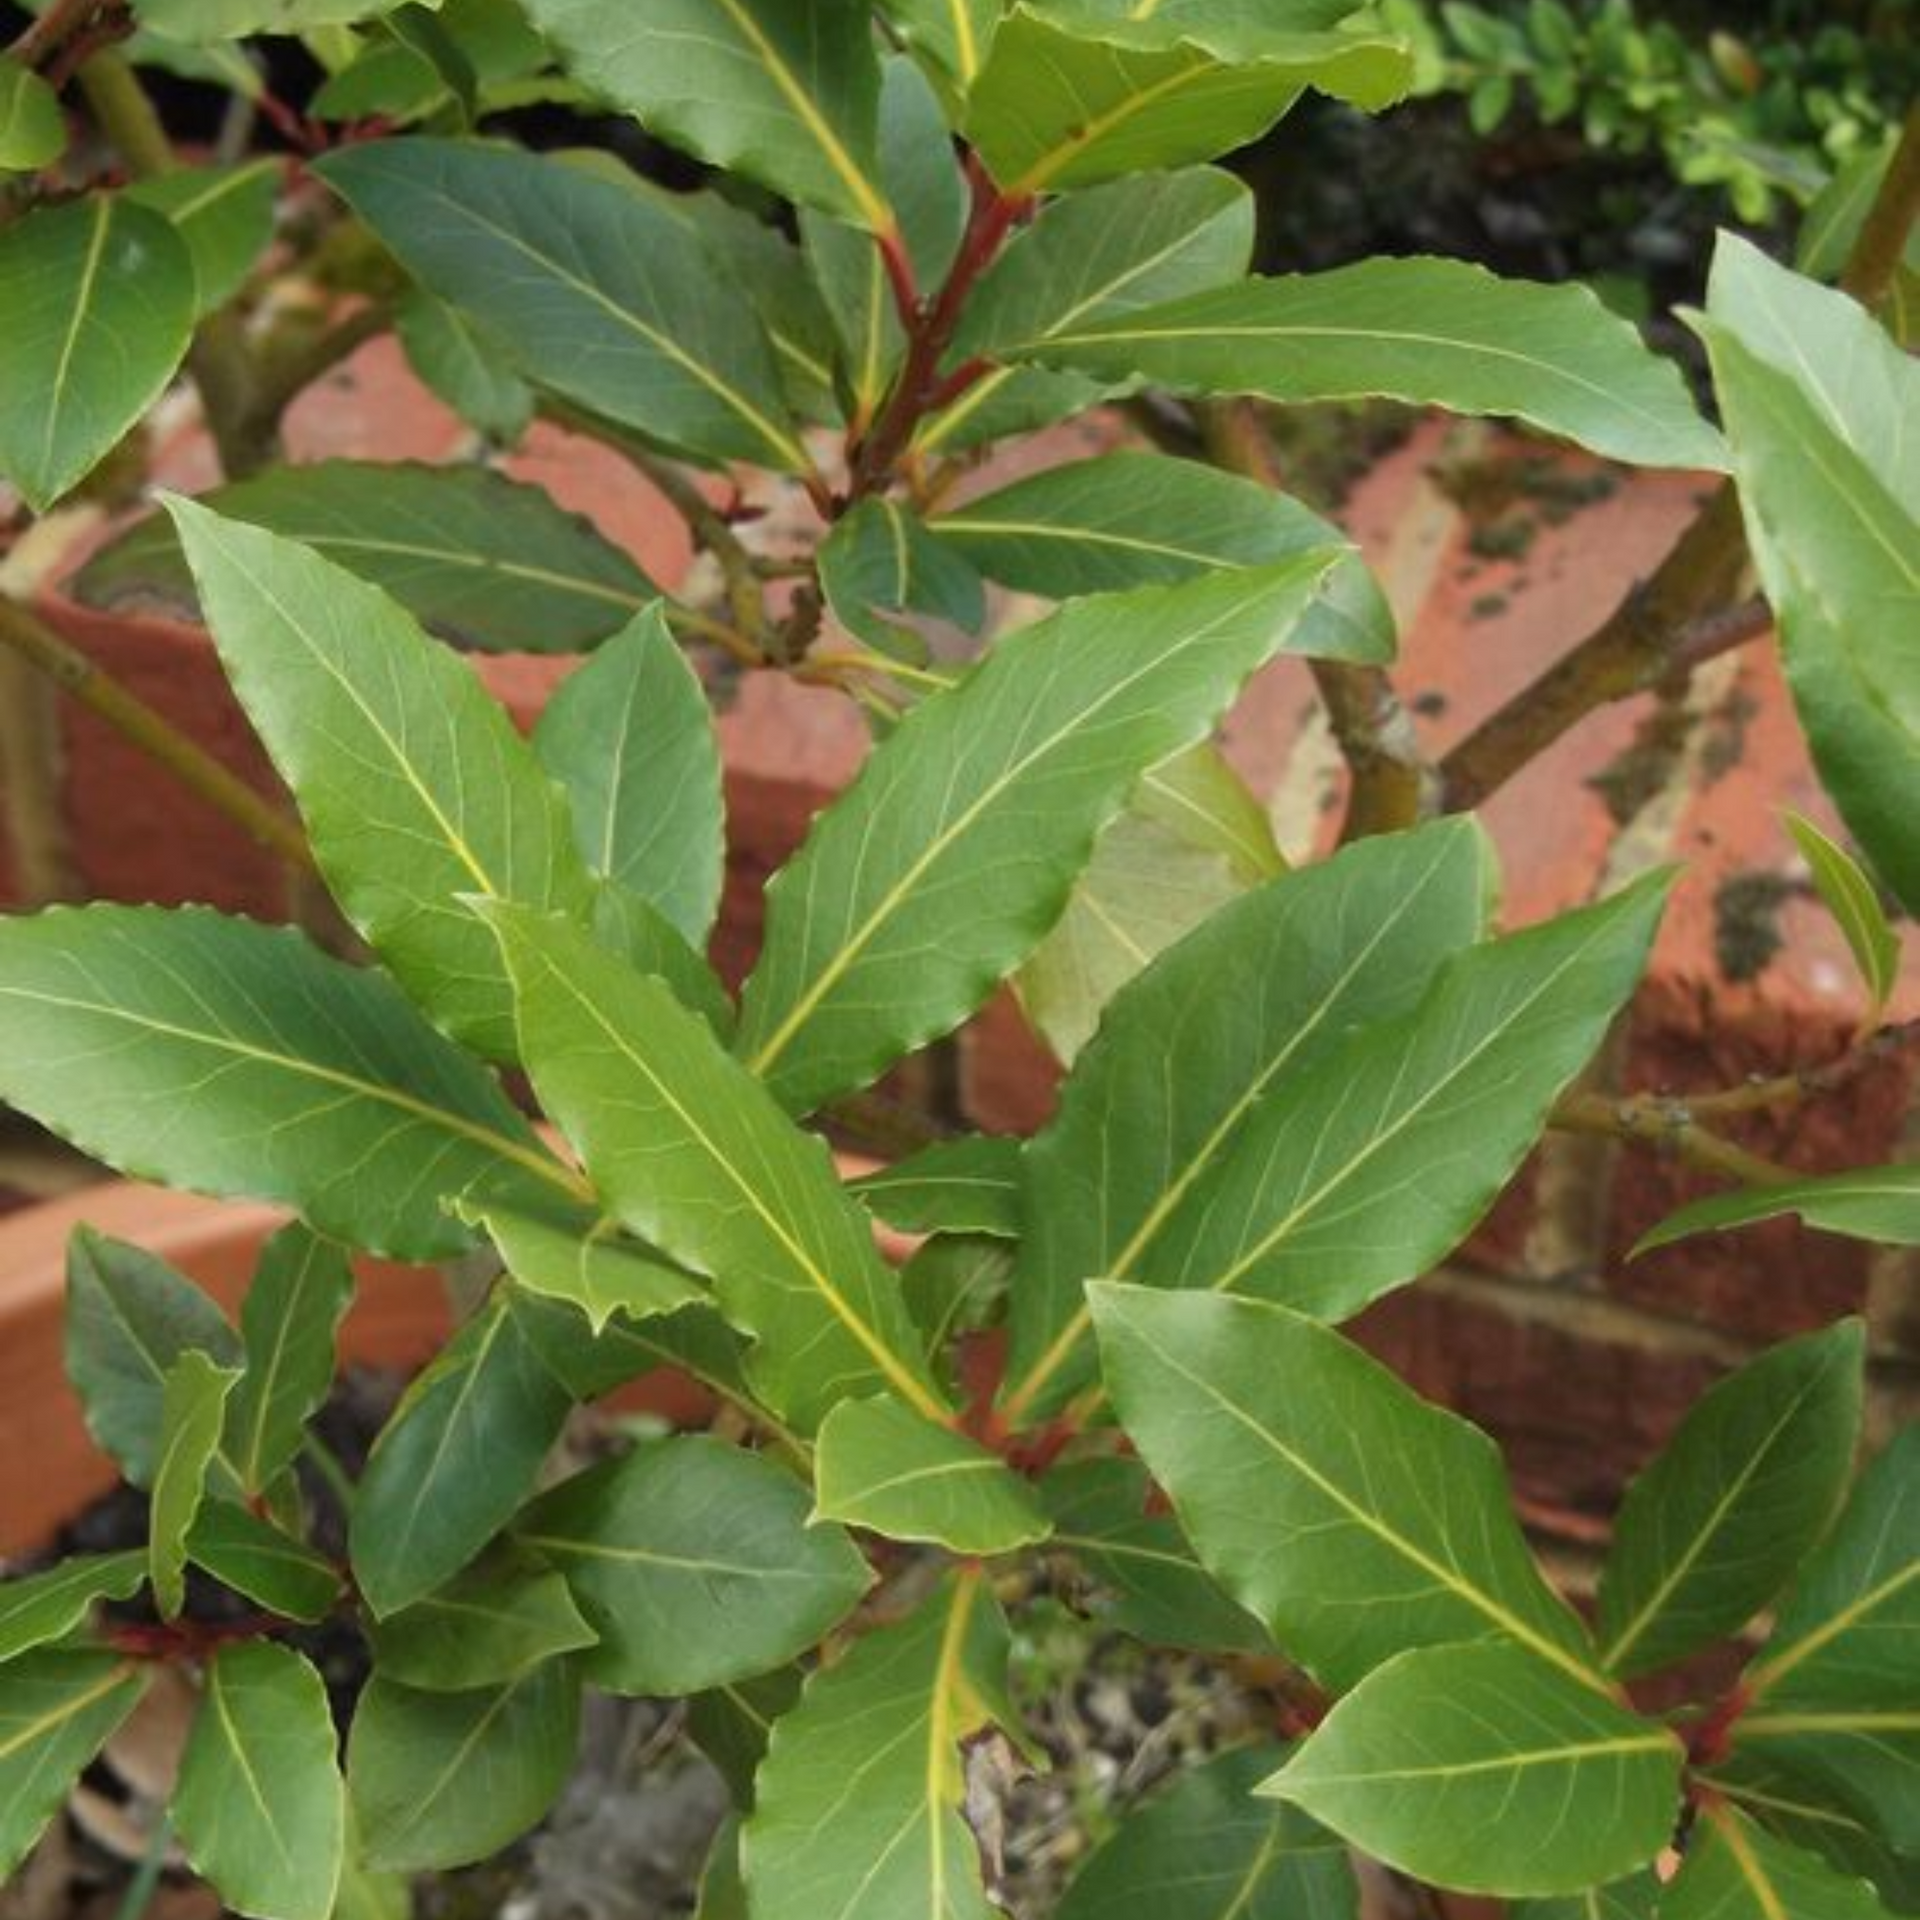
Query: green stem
(146, 1879)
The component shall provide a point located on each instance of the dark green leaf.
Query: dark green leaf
(58, 1707)
(485, 1629)
(1629, 1899)
(732, 1725)
(1870, 1203)
(224, 214)
(635, 930)
(882, 572)
(969, 1185)
(42, 1607)
(255, 1558)
(1738, 1871)
(193, 1409)
(460, 364)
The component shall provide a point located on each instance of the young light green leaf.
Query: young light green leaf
(943, 865)
(1431, 332)
(630, 736)
(858, 1811)
(486, 1628)
(882, 570)
(259, 1806)
(459, 363)
(445, 1779)
(238, 1060)
(696, 1565)
(193, 1408)
(99, 299)
(32, 132)
(44, 1607)
(458, 1456)
(224, 214)
(255, 1558)
(881, 1466)
(968, 1185)
(1305, 1473)
(694, 1157)
(1870, 1203)
(300, 1294)
(1855, 905)
(476, 558)
(1480, 1768)
(787, 94)
(58, 1707)
(1712, 1530)
(589, 288)
(580, 1256)
(130, 1316)
(1736, 1870)
(1205, 1849)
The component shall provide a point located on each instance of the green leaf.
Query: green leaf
(224, 214)
(1712, 1530)
(58, 1707)
(732, 1725)
(589, 288)
(32, 132)
(231, 1059)
(969, 1185)
(723, 1886)
(953, 36)
(1431, 332)
(255, 1558)
(1820, 408)
(454, 359)
(1865, 1759)
(458, 1456)
(259, 1806)
(1737, 1871)
(630, 737)
(99, 299)
(1871, 1203)
(1850, 897)
(697, 1160)
(193, 1409)
(695, 1563)
(1342, 945)
(445, 1779)
(946, 861)
(300, 1294)
(881, 1466)
(633, 929)
(1205, 1849)
(487, 1628)
(784, 91)
(955, 1283)
(1633, 1898)
(203, 21)
(577, 1255)
(1305, 1473)
(476, 558)
(1833, 219)
(1481, 1769)
(1103, 1514)
(858, 1812)
(415, 789)
(48, 1606)
(130, 1316)
(882, 570)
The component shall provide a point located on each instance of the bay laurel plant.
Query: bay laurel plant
(1112, 1370)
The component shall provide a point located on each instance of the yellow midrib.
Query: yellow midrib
(81, 314)
(1748, 1864)
(942, 1734)
(67, 1710)
(1856, 1610)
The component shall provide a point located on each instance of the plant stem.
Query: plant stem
(1882, 244)
(153, 733)
(1671, 1126)
(146, 1880)
(63, 22)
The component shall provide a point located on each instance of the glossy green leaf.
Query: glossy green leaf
(99, 299)
(255, 1558)
(1736, 1870)
(1104, 1515)
(1205, 1849)
(458, 1456)
(445, 1779)
(130, 1316)
(577, 1255)
(58, 1707)
(858, 1811)
(459, 363)
(697, 1160)
(1821, 408)
(300, 1294)
(1305, 1473)
(32, 132)
(630, 737)
(415, 788)
(43, 1607)
(953, 851)
(232, 1059)
(224, 214)
(1712, 1530)
(885, 576)
(476, 558)
(1850, 897)
(732, 1725)
(1482, 1769)
(259, 1806)
(1870, 1203)
(696, 1565)
(1345, 944)
(785, 91)
(969, 1185)
(487, 1628)
(953, 36)
(589, 288)
(193, 1409)
(1430, 332)
(881, 1466)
